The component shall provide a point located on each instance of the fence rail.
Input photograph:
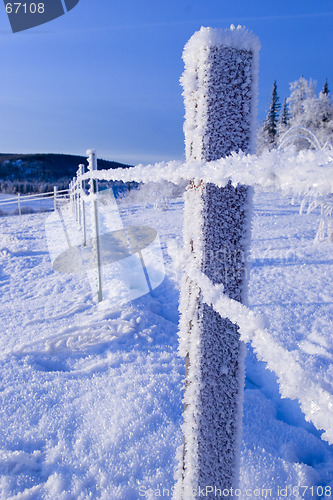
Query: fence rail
(271, 171)
(301, 173)
(58, 197)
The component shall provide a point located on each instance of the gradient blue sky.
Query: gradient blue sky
(106, 74)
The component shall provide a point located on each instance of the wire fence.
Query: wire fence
(271, 171)
(307, 174)
(217, 211)
(21, 204)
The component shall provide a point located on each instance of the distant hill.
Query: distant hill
(46, 167)
(37, 172)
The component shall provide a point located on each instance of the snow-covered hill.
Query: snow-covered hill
(91, 397)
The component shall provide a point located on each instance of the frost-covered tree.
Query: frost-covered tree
(303, 108)
(311, 111)
(320, 109)
(267, 135)
(302, 91)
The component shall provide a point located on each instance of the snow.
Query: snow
(220, 89)
(91, 398)
(86, 392)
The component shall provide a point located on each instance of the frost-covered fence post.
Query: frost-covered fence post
(75, 199)
(93, 192)
(79, 196)
(83, 205)
(55, 198)
(220, 94)
(70, 195)
(19, 203)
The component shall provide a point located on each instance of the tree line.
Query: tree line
(303, 108)
(37, 173)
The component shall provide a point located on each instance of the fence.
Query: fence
(91, 237)
(57, 197)
(271, 172)
(214, 316)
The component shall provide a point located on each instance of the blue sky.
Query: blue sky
(106, 74)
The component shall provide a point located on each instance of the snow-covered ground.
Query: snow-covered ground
(91, 397)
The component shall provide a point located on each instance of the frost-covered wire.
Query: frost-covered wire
(295, 382)
(301, 173)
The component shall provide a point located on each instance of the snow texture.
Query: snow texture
(90, 398)
(219, 94)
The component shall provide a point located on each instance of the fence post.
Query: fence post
(79, 199)
(93, 191)
(75, 198)
(19, 203)
(72, 196)
(73, 191)
(83, 207)
(220, 93)
(77, 191)
(55, 198)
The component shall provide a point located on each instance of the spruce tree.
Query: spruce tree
(267, 136)
(325, 88)
(285, 116)
(283, 124)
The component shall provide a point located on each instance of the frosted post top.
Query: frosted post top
(238, 38)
